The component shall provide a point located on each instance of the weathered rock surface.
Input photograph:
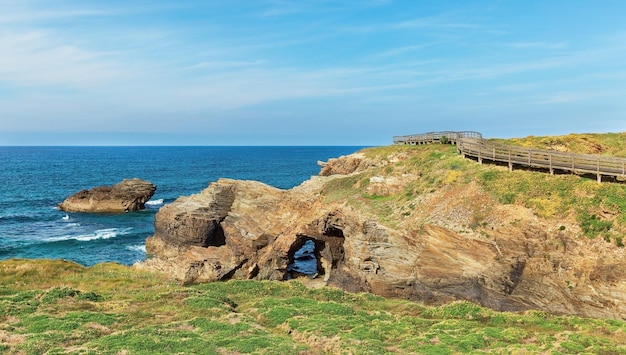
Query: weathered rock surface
(126, 196)
(346, 165)
(248, 230)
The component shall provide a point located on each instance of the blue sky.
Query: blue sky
(298, 72)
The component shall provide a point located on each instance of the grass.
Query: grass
(113, 309)
(588, 143)
(599, 209)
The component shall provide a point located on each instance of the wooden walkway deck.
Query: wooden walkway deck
(472, 144)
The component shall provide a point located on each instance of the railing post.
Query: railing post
(510, 162)
(550, 158)
(598, 171)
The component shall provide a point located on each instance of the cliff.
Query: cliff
(419, 223)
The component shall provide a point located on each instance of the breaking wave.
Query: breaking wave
(138, 248)
(99, 234)
(155, 202)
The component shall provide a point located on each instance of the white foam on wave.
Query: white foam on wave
(99, 234)
(155, 202)
(138, 248)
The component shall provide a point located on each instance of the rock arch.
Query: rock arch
(328, 238)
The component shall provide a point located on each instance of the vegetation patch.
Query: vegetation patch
(136, 314)
(425, 169)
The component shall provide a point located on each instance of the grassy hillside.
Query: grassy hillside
(58, 307)
(598, 209)
(587, 143)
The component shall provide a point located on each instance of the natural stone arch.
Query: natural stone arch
(328, 249)
(300, 241)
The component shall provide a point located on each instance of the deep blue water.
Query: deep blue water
(33, 180)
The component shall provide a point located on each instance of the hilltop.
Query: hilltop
(590, 209)
(613, 144)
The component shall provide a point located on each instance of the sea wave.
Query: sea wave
(155, 202)
(98, 234)
(138, 248)
(20, 218)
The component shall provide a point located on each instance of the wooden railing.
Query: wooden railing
(472, 144)
(436, 137)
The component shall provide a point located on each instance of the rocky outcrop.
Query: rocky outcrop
(126, 196)
(248, 230)
(346, 165)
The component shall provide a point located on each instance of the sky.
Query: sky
(307, 72)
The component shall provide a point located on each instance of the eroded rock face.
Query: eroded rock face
(346, 165)
(126, 196)
(248, 230)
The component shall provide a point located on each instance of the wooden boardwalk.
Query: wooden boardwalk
(472, 144)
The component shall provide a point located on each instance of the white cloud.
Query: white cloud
(21, 16)
(39, 58)
(106, 69)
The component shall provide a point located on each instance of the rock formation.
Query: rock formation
(248, 230)
(126, 196)
(346, 164)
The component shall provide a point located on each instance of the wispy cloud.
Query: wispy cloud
(576, 96)
(538, 45)
(283, 7)
(39, 58)
(278, 8)
(21, 15)
(436, 23)
(213, 65)
(403, 50)
(194, 63)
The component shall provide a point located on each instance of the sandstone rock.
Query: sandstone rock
(126, 196)
(345, 165)
(248, 230)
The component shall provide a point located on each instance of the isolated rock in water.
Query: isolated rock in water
(129, 195)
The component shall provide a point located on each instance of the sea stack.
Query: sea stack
(126, 196)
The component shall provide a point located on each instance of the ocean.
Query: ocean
(34, 180)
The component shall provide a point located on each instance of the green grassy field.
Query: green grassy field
(58, 307)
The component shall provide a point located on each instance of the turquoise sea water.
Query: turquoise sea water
(33, 180)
